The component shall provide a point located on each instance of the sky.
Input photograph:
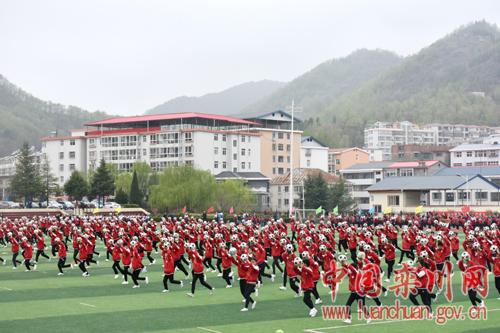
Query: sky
(127, 56)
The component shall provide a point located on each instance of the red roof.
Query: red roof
(412, 164)
(170, 116)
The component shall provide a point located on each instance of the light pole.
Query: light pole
(290, 192)
(467, 187)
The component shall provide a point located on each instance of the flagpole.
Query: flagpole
(290, 200)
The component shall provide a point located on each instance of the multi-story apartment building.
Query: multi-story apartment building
(313, 154)
(274, 129)
(477, 155)
(343, 158)
(8, 170)
(421, 152)
(209, 142)
(380, 137)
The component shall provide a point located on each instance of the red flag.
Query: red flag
(184, 210)
(231, 210)
(465, 209)
(210, 210)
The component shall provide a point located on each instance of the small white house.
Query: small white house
(313, 154)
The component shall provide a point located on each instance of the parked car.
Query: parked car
(66, 204)
(34, 205)
(87, 204)
(13, 204)
(4, 205)
(112, 205)
(55, 205)
(97, 203)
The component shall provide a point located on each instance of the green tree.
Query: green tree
(339, 196)
(121, 197)
(143, 171)
(26, 182)
(103, 182)
(77, 186)
(183, 186)
(316, 192)
(47, 180)
(123, 182)
(136, 195)
(233, 193)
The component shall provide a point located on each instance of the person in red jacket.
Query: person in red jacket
(252, 276)
(495, 259)
(208, 253)
(390, 256)
(61, 253)
(82, 252)
(168, 266)
(137, 265)
(27, 254)
(290, 272)
(115, 250)
(197, 272)
(260, 258)
(126, 253)
(352, 273)
(226, 262)
(14, 248)
(306, 284)
(424, 275)
(40, 245)
(276, 249)
(463, 264)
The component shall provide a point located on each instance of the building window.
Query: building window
(280, 159)
(188, 137)
(286, 188)
(274, 147)
(235, 156)
(274, 135)
(436, 196)
(308, 152)
(274, 171)
(249, 165)
(463, 195)
(406, 172)
(450, 197)
(235, 143)
(224, 151)
(72, 154)
(288, 136)
(61, 179)
(216, 137)
(281, 171)
(482, 195)
(288, 147)
(469, 154)
(280, 135)
(495, 196)
(242, 138)
(243, 152)
(286, 201)
(61, 167)
(279, 189)
(216, 164)
(224, 165)
(457, 164)
(71, 167)
(216, 150)
(280, 146)
(288, 159)
(279, 202)
(393, 200)
(72, 142)
(144, 152)
(224, 137)
(308, 163)
(61, 142)
(188, 151)
(458, 154)
(337, 161)
(61, 155)
(242, 165)
(274, 158)
(468, 164)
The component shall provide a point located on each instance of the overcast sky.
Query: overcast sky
(126, 56)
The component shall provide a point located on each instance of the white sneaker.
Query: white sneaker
(107, 259)
(144, 270)
(347, 321)
(97, 262)
(147, 280)
(318, 301)
(482, 304)
(230, 274)
(368, 320)
(243, 300)
(135, 286)
(244, 310)
(296, 295)
(182, 284)
(211, 292)
(282, 288)
(214, 271)
(190, 294)
(256, 292)
(165, 291)
(313, 312)
(116, 276)
(387, 280)
(229, 286)
(125, 282)
(14, 267)
(254, 304)
(219, 275)
(60, 274)
(272, 277)
(386, 292)
(34, 267)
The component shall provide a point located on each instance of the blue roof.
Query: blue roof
(469, 171)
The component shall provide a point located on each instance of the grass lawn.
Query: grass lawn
(43, 302)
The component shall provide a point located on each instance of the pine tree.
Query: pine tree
(76, 186)
(48, 181)
(103, 183)
(121, 197)
(26, 182)
(135, 193)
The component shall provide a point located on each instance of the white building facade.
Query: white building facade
(475, 155)
(313, 154)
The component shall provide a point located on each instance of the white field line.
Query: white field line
(208, 330)
(5, 288)
(318, 330)
(89, 305)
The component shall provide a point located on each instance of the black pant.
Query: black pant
(352, 298)
(201, 277)
(42, 253)
(276, 263)
(307, 298)
(219, 265)
(262, 273)
(75, 255)
(28, 264)
(455, 255)
(473, 297)
(82, 266)
(249, 289)
(53, 250)
(180, 266)
(126, 273)
(390, 265)
(135, 276)
(243, 284)
(14, 259)
(424, 295)
(148, 254)
(343, 244)
(226, 277)
(207, 262)
(408, 254)
(293, 282)
(169, 277)
(353, 255)
(62, 264)
(314, 290)
(116, 267)
(497, 283)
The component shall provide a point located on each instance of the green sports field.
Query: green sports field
(43, 302)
